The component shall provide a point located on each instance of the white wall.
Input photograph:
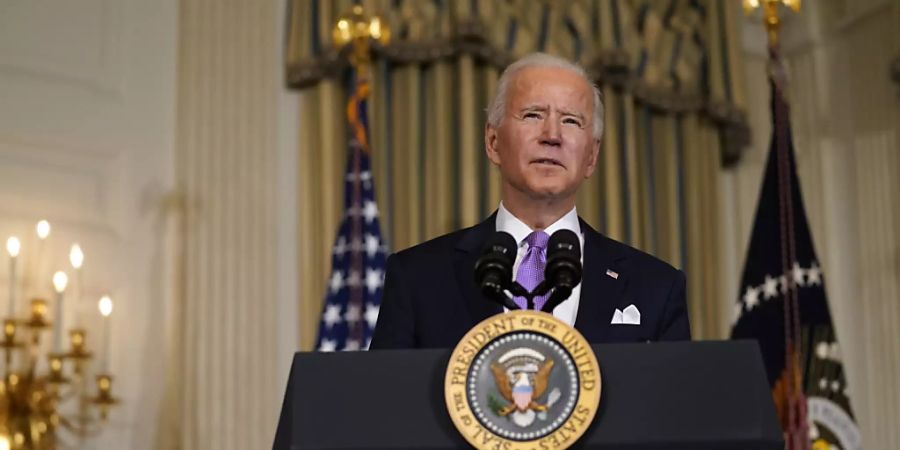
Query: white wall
(87, 105)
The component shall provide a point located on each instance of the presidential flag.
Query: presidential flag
(353, 294)
(782, 304)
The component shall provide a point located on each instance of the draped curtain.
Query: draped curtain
(669, 73)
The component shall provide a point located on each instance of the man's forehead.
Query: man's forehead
(549, 72)
(541, 85)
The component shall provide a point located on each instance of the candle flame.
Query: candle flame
(13, 246)
(752, 5)
(43, 229)
(60, 280)
(105, 305)
(76, 256)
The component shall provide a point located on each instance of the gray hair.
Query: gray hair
(497, 107)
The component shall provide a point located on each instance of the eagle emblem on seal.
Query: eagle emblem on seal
(522, 376)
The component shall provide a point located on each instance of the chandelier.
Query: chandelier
(46, 394)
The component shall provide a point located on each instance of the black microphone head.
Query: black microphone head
(503, 243)
(493, 270)
(563, 268)
(564, 241)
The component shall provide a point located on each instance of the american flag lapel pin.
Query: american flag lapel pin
(611, 274)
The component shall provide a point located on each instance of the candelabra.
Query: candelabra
(46, 397)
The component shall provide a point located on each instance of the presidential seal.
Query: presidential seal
(830, 427)
(522, 380)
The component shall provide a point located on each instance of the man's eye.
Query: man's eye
(531, 115)
(571, 121)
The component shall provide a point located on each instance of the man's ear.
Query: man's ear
(490, 144)
(595, 156)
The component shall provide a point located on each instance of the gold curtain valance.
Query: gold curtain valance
(675, 56)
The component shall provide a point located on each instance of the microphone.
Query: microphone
(563, 270)
(493, 270)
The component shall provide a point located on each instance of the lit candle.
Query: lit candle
(12, 246)
(76, 257)
(37, 266)
(60, 280)
(43, 229)
(106, 307)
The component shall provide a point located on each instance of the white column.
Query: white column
(288, 211)
(227, 145)
(875, 120)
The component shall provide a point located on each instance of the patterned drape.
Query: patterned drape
(670, 75)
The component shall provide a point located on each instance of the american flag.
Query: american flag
(353, 293)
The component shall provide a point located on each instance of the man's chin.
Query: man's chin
(548, 193)
(543, 190)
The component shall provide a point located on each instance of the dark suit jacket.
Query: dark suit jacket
(431, 299)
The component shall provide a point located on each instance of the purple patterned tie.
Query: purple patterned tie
(531, 270)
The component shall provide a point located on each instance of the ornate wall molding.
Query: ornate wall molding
(43, 47)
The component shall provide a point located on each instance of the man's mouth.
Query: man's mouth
(548, 161)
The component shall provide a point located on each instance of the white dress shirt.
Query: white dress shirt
(506, 221)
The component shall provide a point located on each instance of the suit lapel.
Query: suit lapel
(468, 249)
(600, 292)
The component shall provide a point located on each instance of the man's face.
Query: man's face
(544, 145)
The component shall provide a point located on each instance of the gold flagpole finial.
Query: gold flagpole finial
(770, 15)
(358, 29)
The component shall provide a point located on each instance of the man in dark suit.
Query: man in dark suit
(543, 134)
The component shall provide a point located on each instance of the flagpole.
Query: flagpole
(793, 401)
(355, 276)
(357, 30)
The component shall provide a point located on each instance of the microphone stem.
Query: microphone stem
(505, 301)
(555, 299)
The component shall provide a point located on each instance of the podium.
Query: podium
(679, 395)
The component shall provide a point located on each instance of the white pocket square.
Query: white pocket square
(629, 316)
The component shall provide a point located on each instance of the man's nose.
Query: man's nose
(551, 134)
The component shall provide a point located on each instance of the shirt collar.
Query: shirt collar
(511, 224)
